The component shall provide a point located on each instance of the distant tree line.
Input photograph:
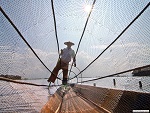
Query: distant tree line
(14, 77)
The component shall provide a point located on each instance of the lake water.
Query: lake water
(17, 97)
(123, 83)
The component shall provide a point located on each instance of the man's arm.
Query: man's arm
(74, 61)
(61, 52)
(74, 58)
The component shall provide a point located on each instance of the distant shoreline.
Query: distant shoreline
(14, 77)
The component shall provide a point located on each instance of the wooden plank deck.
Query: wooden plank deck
(70, 102)
(90, 99)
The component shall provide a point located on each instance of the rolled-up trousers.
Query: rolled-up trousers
(60, 65)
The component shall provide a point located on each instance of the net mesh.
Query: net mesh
(111, 38)
(108, 19)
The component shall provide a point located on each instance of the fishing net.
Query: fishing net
(112, 41)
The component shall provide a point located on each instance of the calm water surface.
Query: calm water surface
(123, 83)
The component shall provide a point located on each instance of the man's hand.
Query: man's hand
(74, 64)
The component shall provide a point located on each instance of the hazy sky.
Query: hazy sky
(108, 19)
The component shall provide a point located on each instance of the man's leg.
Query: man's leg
(54, 73)
(65, 76)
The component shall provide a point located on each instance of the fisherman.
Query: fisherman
(65, 57)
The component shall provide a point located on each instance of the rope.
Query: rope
(115, 39)
(23, 38)
(55, 32)
(116, 74)
(55, 26)
(27, 83)
(19, 82)
(83, 33)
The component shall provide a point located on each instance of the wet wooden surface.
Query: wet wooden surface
(73, 102)
(70, 102)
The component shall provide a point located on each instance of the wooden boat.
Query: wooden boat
(142, 72)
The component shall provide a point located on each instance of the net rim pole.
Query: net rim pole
(116, 38)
